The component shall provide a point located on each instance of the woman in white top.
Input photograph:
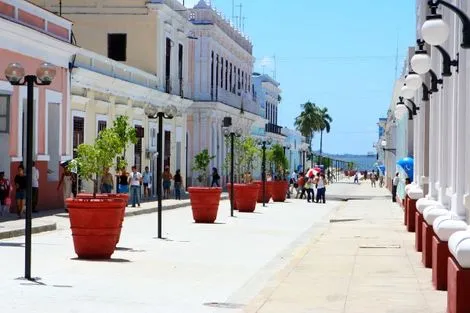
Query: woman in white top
(321, 189)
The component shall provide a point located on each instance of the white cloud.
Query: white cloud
(266, 62)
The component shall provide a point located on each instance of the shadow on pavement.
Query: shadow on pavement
(12, 244)
(113, 260)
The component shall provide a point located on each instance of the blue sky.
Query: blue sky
(338, 54)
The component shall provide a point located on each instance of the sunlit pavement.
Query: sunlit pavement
(286, 257)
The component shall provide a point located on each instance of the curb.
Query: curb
(141, 211)
(21, 231)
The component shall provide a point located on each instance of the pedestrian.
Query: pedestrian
(178, 184)
(135, 180)
(308, 187)
(356, 178)
(20, 194)
(381, 181)
(147, 182)
(35, 184)
(107, 181)
(123, 179)
(66, 180)
(215, 178)
(373, 179)
(5, 200)
(395, 182)
(321, 188)
(167, 177)
(247, 178)
(300, 186)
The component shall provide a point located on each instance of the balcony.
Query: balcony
(235, 100)
(275, 129)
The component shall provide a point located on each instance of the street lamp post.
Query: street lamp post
(264, 143)
(15, 74)
(231, 133)
(152, 113)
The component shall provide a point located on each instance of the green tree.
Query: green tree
(92, 159)
(309, 121)
(201, 165)
(277, 157)
(325, 125)
(246, 156)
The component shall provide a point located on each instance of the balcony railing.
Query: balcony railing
(272, 128)
(103, 65)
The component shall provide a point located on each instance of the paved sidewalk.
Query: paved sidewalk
(363, 262)
(44, 221)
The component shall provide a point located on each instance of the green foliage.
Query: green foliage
(279, 160)
(350, 165)
(201, 164)
(247, 155)
(128, 135)
(313, 119)
(92, 159)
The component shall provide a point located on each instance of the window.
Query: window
(138, 148)
(101, 126)
(153, 137)
(78, 133)
(117, 46)
(4, 114)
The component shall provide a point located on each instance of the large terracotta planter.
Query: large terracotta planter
(95, 224)
(279, 190)
(267, 194)
(229, 190)
(123, 196)
(246, 196)
(204, 203)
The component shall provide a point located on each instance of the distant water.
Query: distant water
(361, 162)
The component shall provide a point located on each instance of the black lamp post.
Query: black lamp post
(152, 113)
(264, 143)
(15, 74)
(231, 133)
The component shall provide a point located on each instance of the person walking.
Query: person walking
(178, 184)
(107, 181)
(123, 179)
(215, 178)
(167, 177)
(395, 182)
(356, 178)
(67, 180)
(373, 179)
(381, 181)
(5, 200)
(20, 194)
(147, 182)
(35, 184)
(321, 188)
(300, 186)
(308, 187)
(134, 181)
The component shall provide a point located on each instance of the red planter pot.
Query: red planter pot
(229, 190)
(204, 203)
(279, 190)
(246, 196)
(268, 191)
(123, 196)
(96, 225)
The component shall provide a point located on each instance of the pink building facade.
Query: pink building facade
(30, 35)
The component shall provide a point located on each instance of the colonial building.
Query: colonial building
(222, 63)
(136, 53)
(267, 93)
(30, 35)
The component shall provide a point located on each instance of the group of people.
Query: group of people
(372, 176)
(19, 188)
(312, 187)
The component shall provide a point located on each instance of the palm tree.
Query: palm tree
(326, 121)
(309, 121)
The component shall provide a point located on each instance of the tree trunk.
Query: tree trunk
(321, 143)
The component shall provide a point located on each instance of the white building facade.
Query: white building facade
(221, 63)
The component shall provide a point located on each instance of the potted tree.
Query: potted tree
(96, 220)
(246, 192)
(279, 185)
(204, 200)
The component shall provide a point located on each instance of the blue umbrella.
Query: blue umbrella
(407, 165)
